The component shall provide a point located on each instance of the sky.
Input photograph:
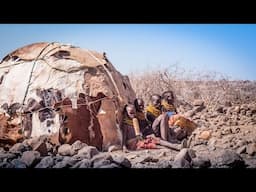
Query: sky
(228, 49)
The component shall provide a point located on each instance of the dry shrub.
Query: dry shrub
(211, 87)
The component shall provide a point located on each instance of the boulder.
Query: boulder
(18, 163)
(251, 149)
(198, 102)
(46, 162)
(88, 151)
(227, 158)
(30, 158)
(66, 150)
(122, 161)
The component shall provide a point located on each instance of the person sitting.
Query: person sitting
(132, 138)
(159, 112)
(169, 108)
(130, 135)
(157, 119)
(145, 126)
(167, 103)
(179, 125)
(153, 110)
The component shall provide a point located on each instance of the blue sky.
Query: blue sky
(225, 48)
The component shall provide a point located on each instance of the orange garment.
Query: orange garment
(182, 122)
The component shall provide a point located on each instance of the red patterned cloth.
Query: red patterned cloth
(148, 143)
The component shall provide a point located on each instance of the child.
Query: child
(144, 124)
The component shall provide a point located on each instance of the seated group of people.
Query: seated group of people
(153, 126)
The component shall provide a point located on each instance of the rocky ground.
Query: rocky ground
(225, 138)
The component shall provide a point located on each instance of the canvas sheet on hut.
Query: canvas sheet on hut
(27, 73)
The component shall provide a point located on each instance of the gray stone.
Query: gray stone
(201, 162)
(66, 150)
(46, 162)
(235, 130)
(227, 158)
(132, 156)
(241, 150)
(251, 149)
(66, 162)
(225, 118)
(7, 156)
(85, 163)
(41, 147)
(122, 161)
(58, 158)
(192, 153)
(103, 162)
(237, 109)
(248, 113)
(62, 164)
(198, 108)
(200, 142)
(114, 148)
(198, 102)
(244, 107)
(18, 163)
(190, 113)
(235, 123)
(2, 150)
(214, 115)
(34, 140)
(226, 131)
(250, 163)
(181, 163)
(183, 154)
(80, 157)
(49, 147)
(77, 145)
(101, 156)
(146, 158)
(183, 158)
(139, 166)
(164, 164)
(161, 154)
(109, 166)
(219, 109)
(70, 160)
(88, 151)
(6, 165)
(211, 143)
(30, 158)
(228, 104)
(243, 112)
(18, 148)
